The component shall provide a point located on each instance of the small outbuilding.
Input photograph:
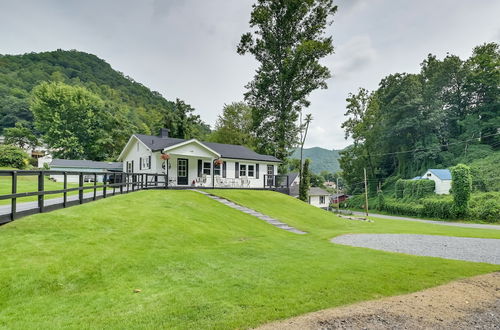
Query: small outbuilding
(442, 178)
(319, 197)
(90, 166)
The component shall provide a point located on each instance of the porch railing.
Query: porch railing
(112, 183)
(277, 182)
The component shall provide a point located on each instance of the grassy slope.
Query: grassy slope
(198, 263)
(30, 184)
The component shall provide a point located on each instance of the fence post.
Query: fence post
(114, 183)
(104, 183)
(121, 183)
(65, 186)
(40, 189)
(80, 186)
(142, 181)
(156, 180)
(95, 188)
(13, 201)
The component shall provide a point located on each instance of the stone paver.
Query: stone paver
(254, 213)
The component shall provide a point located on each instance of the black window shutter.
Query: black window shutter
(140, 163)
(236, 170)
(224, 168)
(200, 167)
(149, 161)
(256, 171)
(132, 166)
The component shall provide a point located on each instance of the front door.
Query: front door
(182, 171)
(270, 175)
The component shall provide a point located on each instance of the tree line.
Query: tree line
(447, 113)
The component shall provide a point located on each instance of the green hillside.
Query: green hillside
(133, 107)
(199, 264)
(322, 159)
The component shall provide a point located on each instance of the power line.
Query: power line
(438, 146)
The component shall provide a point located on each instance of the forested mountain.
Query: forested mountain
(447, 113)
(321, 159)
(133, 107)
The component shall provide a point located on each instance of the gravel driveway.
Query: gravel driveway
(458, 248)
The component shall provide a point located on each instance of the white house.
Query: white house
(88, 166)
(441, 177)
(200, 164)
(319, 197)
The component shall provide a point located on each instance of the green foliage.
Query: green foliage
(316, 180)
(321, 159)
(445, 114)
(380, 201)
(20, 136)
(437, 207)
(461, 186)
(485, 206)
(71, 119)
(305, 183)
(12, 156)
(234, 126)
(404, 208)
(414, 189)
(288, 40)
(485, 172)
(129, 106)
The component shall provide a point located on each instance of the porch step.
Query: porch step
(254, 213)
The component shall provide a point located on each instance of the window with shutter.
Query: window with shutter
(236, 170)
(224, 169)
(200, 167)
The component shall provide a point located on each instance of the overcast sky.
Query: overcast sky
(187, 48)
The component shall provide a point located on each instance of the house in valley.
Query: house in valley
(193, 163)
(442, 178)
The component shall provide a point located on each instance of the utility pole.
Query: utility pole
(366, 194)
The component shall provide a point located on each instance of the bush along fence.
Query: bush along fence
(416, 198)
(112, 183)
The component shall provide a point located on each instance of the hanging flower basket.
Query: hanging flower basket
(165, 156)
(218, 162)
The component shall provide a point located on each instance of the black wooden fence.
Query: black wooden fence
(112, 183)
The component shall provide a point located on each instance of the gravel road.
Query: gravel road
(458, 248)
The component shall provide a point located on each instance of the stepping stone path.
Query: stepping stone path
(259, 215)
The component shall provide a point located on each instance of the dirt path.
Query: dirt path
(472, 303)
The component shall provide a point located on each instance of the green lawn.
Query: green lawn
(30, 184)
(199, 263)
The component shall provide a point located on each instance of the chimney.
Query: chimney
(164, 132)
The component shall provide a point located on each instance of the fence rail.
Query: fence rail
(112, 183)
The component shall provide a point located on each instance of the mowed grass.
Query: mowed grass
(198, 264)
(30, 184)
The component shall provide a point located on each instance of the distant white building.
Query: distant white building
(442, 178)
(319, 197)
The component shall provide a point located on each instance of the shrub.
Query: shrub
(411, 209)
(414, 189)
(11, 156)
(380, 201)
(485, 206)
(438, 208)
(461, 185)
(399, 188)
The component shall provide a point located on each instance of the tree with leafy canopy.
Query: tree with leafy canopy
(461, 187)
(288, 40)
(71, 119)
(234, 125)
(184, 124)
(305, 181)
(21, 136)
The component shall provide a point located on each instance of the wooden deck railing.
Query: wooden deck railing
(112, 183)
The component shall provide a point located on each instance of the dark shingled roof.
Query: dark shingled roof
(86, 164)
(315, 191)
(156, 143)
